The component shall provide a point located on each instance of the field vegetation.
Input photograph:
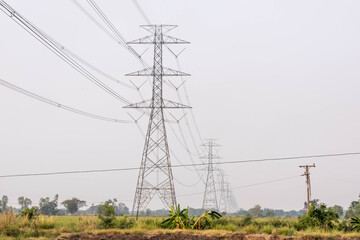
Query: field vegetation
(13, 226)
(41, 223)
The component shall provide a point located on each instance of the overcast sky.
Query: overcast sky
(269, 79)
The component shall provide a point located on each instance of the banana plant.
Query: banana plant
(178, 219)
(355, 221)
(207, 218)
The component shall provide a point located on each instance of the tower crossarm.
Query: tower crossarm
(166, 72)
(149, 104)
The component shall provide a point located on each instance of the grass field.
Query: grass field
(44, 227)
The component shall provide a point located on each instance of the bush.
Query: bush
(247, 220)
(106, 214)
(125, 222)
(250, 229)
(267, 229)
(319, 216)
(344, 226)
(29, 213)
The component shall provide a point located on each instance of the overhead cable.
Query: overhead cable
(141, 11)
(56, 104)
(53, 46)
(185, 165)
(112, 27)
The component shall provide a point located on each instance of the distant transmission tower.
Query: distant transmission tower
(224, 194)
(155, 175)
(210, 199)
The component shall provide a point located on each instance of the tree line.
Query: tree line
(48, 206)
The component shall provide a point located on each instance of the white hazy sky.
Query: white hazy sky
(269, 79)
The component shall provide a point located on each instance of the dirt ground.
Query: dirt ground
(181, 236)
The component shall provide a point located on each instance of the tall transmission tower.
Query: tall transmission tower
(308, 184)
(155, 175)
(210, 199)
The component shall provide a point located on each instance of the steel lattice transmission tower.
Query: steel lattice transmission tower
(155, 175)
(224, 193)
(210, 199)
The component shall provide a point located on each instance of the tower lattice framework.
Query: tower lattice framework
(155, 174)
(210, 198)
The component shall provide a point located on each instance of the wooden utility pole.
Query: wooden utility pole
(307, 174)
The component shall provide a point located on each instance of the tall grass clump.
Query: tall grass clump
(9, 224)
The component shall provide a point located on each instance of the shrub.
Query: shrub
(106, 214)
(125, 222)
(247, 220)
(267, 229)
(250, 229)
(319, 216)
(29, 213)
(344, 226)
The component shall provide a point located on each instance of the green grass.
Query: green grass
(44, 227)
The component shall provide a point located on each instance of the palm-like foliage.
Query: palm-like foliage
(180, 219)
(205, 220)
(355, 221)
(177, 218)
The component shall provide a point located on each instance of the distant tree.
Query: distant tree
(4, 203)
(268, 212)
(73, 205)
(354, 209)
(123, 209)
(24, 202)
(147, 212)
(256, 211)
(49, 207)
(314, 201)
(338, 209)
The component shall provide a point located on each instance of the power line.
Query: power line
(141, 11)
(113, 28)
(245, 186)
(182, 165)
(90, 16)
(54, 46)
(56, 104)
(114, 34)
